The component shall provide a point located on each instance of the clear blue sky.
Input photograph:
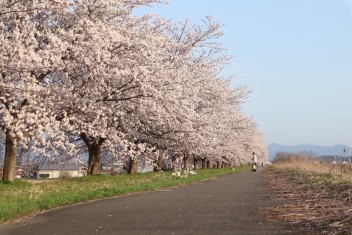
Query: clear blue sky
(297, 57)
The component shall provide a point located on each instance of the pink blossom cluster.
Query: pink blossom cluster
(81, 74)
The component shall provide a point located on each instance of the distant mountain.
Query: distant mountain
(317, 149)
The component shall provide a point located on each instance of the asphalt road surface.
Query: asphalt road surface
(224, 205)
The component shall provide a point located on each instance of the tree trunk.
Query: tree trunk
(217, 164)
(195, 160)
(185, 161)
(9, 170)
(208, 164)
(94, 146)
(173, 162)
(203, 163)
(132, 168)
(94, 159)
(159, 159)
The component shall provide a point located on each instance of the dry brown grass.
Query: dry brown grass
(316, 194)
(311, 165)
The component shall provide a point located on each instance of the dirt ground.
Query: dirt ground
(323, 207)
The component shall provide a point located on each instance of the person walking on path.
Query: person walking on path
(255, 160)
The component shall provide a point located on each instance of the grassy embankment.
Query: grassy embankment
(320, 194)
(22, 198)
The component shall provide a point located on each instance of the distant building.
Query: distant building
(54, 171)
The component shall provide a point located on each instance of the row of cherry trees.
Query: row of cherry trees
(88, 74)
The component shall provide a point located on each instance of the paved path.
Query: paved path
(224, 205)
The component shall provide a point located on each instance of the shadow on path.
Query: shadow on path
(224, 205)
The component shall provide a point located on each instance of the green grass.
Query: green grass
(21, 198)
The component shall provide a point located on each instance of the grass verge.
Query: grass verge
(21, 198)
(320, 201)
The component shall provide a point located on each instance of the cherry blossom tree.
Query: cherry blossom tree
(108, 67)
(90, 72)
(30, 50)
